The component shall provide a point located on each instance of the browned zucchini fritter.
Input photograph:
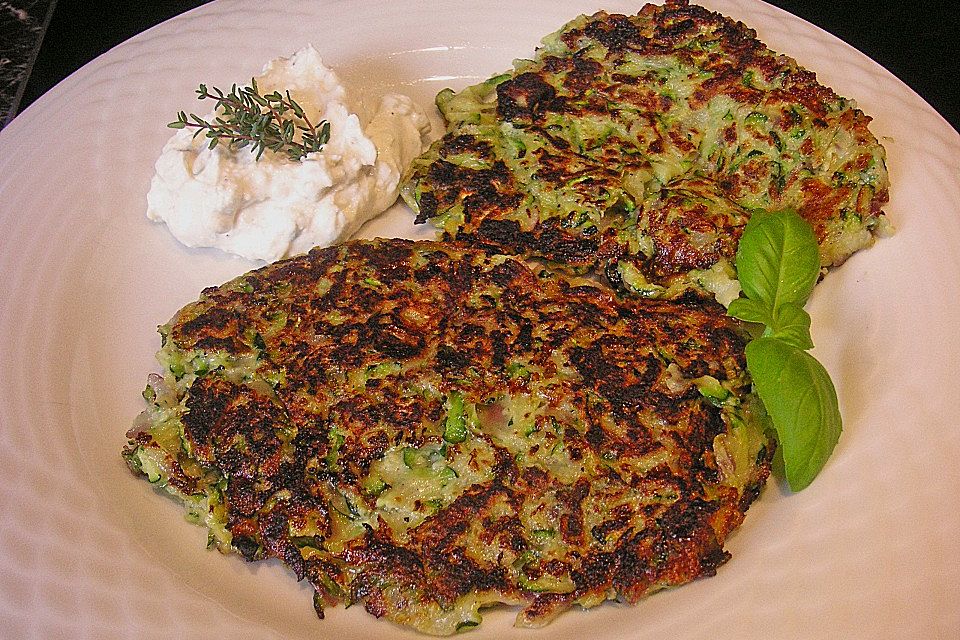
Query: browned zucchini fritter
(429, 429)
(639, 145)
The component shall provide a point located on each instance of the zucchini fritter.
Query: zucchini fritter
(429, 429)
(639, 145)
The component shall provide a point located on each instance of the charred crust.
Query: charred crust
(246, 546)
(616, 32)
(427, 207)
(565, 248)
(525, 98)
(502, 232)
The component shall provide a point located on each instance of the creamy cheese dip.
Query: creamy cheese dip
(276, 207)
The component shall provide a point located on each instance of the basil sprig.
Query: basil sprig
(778, 264)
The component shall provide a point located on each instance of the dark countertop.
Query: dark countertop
(22, 24)
(916, 41)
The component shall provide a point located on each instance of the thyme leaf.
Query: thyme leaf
(246, 118)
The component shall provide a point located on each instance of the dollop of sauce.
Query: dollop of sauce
(275, 207)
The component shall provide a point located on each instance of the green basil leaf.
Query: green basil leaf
(750, 311)
(778, 260)
(802, 403)
(792, 325)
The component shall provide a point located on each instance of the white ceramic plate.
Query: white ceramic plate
(870, 550)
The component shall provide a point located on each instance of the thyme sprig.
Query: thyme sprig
(245, 118)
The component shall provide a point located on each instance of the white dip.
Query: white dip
(276, 207)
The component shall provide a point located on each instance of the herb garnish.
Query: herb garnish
(246, 118)
(778, 264)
